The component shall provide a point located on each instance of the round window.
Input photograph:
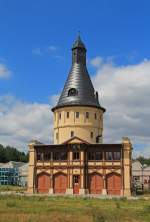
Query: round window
(72, 92)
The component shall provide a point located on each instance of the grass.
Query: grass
(4, 188)
(15, 208)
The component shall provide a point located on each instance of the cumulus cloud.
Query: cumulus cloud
(21, 122)
(124, 92)
(4, 71)
(97, 61)
(51, 49)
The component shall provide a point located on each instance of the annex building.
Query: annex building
(79, 162)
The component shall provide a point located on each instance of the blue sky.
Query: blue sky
(109, 28)
(36, 38)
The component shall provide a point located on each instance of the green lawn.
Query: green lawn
(4, 188)
(72, 209)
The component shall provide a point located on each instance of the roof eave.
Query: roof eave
(71, 105)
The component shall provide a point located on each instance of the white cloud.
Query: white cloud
(21, 122)
(37, 51)
(53, 99)
(52, 49)
(97, 61)
(4, 71)
(124, 91)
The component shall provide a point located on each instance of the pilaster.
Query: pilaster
(31, 173)
(127, 158)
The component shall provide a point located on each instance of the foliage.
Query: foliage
(12, 154)
(143, 160)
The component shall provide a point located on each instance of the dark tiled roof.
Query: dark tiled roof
(79, 80)
(78, 43)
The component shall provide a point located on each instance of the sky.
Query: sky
(35, 57)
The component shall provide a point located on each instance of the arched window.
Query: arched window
(72, 92)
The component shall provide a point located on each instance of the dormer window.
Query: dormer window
(72, 92)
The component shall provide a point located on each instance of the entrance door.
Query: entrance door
(114, 184)
(60, 183)
(95, 183)
(43, 182)
(76, 184)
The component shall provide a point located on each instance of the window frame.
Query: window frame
(92, 156)
(59, 115)
(115, 157)
(107, 156)
(77, 114)
(67, 115)
(72, 134)
(87, 115)
(74, 154)
(72, 92)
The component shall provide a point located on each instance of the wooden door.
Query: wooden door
(95, 183)
(60, 183)
(114, 184)
(43, 183)
(76, 184)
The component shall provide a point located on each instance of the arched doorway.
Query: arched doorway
(113, 183)
(60, 183)
(43, 182)
(95, 183)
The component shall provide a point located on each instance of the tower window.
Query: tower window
(72, 92)
(77, 114)
(72, 133)
(56, 136)
(95, 116)
(91, 135)
(87, 115)
(59, 115)
(67, 114)
(98, 139)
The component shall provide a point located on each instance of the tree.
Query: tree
(143, 160)
(12, 154)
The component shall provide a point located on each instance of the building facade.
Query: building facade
(13, 173)
(141, 175)
(78, 162)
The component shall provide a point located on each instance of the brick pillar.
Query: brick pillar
(127, 163)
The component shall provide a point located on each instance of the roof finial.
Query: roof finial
(79, 38)
(78, 42)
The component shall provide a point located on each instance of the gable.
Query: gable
(75, 139)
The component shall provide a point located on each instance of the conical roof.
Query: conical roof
(78, 43)
(78, 89)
